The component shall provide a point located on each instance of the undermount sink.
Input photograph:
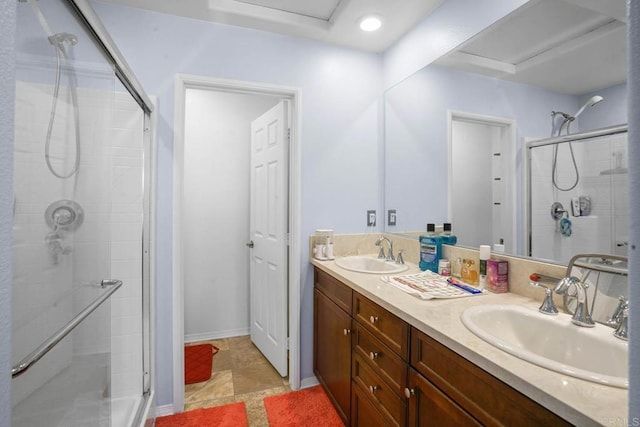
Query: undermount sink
(553, 342)
(370, 264)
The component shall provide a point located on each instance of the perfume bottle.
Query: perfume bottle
(469, 271)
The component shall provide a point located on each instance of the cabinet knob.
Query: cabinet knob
(373, 319)
(373, 388)
(346, 331)
(408, 392)
(373, 355)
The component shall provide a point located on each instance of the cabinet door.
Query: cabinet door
(428, 406)
(332, 352)
(364, 412)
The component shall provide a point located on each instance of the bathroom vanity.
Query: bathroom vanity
(387, 358)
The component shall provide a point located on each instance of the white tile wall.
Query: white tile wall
(607, 223)
(108, 186)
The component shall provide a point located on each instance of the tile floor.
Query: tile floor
(240, 374)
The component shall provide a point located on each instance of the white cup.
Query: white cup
(320, 251)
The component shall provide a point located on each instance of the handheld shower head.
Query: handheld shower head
(59, 38)
(590, 103)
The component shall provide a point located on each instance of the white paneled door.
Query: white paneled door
(269, 230)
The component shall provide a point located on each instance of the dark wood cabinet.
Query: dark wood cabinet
(483, 396)
(332, 351)
(428, 406)
(380, 371)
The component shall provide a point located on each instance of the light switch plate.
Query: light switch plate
(371, 218)
(391, 217)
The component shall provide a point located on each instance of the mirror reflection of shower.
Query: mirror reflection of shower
(556, 131)
(60, 43)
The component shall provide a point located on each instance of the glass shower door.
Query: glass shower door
(78, 230)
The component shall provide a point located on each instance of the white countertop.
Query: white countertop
(581, 402)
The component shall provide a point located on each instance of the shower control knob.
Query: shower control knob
(250, 244)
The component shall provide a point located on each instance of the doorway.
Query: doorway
(481, 151)
(212, 170)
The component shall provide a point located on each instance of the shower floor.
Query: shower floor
(77, 396)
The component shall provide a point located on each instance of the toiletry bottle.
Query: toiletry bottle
(430, 249)
(468, 273)
(485, 254)
(447, 237)
(444, 267)
(456, 268)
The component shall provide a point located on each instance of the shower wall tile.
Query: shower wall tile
(126, 184)
(596, 232)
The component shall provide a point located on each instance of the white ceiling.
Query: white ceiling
(330, 21)
(567, 46)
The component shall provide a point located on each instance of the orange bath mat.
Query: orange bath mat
(198, 362)
(309, 408)
(232, 415)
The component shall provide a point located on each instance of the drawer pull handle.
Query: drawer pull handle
(408, 392)
(373, 319)
(373, 355)
(346, 332)
(373, 388)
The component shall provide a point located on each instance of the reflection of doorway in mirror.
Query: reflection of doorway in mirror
(481, 179)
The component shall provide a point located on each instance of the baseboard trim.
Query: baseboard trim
(206, 336)
(161, 411)
(309, 382)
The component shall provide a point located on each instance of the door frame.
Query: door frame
(188, 81)
(509, 148)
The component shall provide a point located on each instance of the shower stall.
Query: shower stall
(578, 194)
(81, 303)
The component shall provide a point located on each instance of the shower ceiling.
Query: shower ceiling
(567, 46)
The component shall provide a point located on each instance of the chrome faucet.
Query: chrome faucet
(381, 254)
(581, 316)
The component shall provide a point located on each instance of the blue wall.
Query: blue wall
(341, 90)
(7, 97)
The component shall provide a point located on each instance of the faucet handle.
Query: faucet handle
(399, 258)
(622, 331)
(616, 316)
(547, 306)
(381, 254)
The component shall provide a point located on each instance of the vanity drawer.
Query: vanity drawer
(485, 397)
(390, 329)
(392, 407)
(388, 364)
(335, 290)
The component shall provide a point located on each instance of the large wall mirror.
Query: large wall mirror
(455, 130)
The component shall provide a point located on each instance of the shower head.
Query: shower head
(590, 103)
(59, 38)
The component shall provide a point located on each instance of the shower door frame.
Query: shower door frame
(123, 72)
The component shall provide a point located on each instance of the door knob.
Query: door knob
(250, 243)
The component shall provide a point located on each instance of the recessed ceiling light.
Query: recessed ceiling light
(370, 23)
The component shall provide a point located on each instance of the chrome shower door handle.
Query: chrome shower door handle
(250, 244)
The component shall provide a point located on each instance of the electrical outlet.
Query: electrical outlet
(391, 217)
(371, 218)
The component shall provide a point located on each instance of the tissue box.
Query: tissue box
(497, 276)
